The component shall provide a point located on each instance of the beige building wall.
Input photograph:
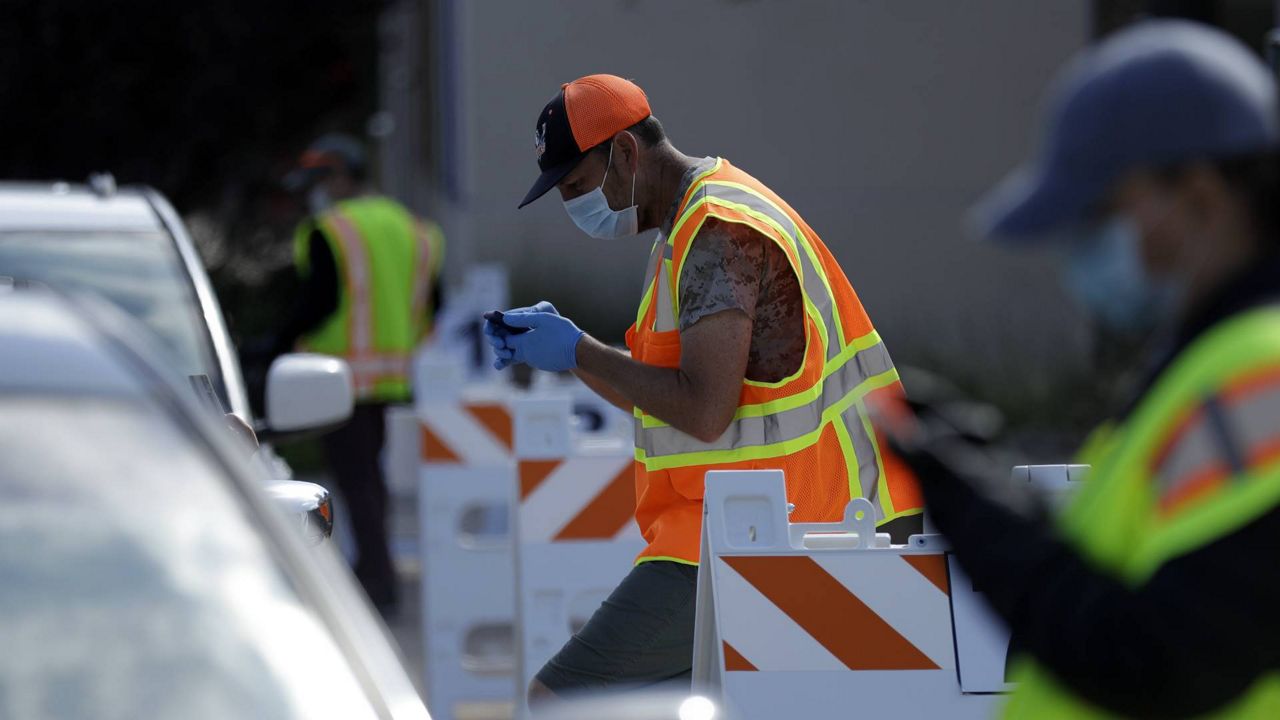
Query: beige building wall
(880, 121)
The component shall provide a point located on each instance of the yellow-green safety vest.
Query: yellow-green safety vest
(1161, 488)
(387, 260)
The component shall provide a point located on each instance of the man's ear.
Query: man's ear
(626, 150)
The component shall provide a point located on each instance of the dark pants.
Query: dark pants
(352, 452)
(641, 636)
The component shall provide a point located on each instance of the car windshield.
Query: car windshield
(140, 272)
(127, 595)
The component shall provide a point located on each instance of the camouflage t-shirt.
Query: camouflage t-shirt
(732, 266)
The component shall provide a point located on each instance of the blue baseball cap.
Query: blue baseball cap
(1158, 93)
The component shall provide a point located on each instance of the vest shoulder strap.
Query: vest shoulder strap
(1209, 436)
(1235, 348)
(730, 195)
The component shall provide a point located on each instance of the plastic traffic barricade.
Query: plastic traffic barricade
(830, 619)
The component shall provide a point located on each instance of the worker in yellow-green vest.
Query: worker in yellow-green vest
(1154, 593)
(368, 271)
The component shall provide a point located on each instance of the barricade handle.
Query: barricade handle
(746, 509)
(1055, 482)
(857, 531)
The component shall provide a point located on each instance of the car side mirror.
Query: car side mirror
(307, 392)
(307, 505)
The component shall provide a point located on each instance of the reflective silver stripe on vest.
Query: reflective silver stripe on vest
(660, 249)
(1245, 429)
(665, 314)
(864, 450)
(657, 279)
(778, 427)
(665, 318)
(813, 285)
(360, 308)
(381, 366)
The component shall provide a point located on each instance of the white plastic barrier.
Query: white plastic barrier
(574, 526)
(592, 413)
(456, 336)
(467, 471)
(829, 619)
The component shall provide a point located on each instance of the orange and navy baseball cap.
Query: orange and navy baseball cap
(585, 113)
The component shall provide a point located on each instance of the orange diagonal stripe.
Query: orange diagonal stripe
(1251, 384)
(733, 660)
(1193, 490)
(533, 472)
(496, 419)
(434, 449)
(933, 567)
(607, 513)
(835, 617)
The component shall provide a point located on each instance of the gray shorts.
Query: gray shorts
(642, 635)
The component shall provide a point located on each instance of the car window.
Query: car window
(125, 594)
(140, 272)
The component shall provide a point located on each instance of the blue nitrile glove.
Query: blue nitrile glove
(497, 335)
(551, 343)
(502, 354)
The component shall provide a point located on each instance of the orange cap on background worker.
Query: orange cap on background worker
(330, 155)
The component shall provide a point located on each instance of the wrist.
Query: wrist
(580, 350)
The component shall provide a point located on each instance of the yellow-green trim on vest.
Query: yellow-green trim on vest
(786, 447)
(803, 397)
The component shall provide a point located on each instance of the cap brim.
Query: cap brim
(1031, 204)
(549, 178)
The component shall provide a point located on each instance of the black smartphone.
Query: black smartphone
(495, 317)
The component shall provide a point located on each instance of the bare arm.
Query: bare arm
(604, 390)
(699, 397)
(719, 291)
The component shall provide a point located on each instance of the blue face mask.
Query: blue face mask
(1105, 275)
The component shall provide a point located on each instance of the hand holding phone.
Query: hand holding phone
(496, 317)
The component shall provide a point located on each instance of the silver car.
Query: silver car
(128, 246)
(143, 573)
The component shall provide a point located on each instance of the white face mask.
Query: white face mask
(592, 214)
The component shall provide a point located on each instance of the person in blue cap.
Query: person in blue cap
(1154, 594)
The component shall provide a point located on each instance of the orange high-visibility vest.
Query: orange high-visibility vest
(812, 425)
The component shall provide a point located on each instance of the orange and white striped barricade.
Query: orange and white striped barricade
(982, 641)
(821, 619)
(465, 479)
(591, 413)
(576, 536)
